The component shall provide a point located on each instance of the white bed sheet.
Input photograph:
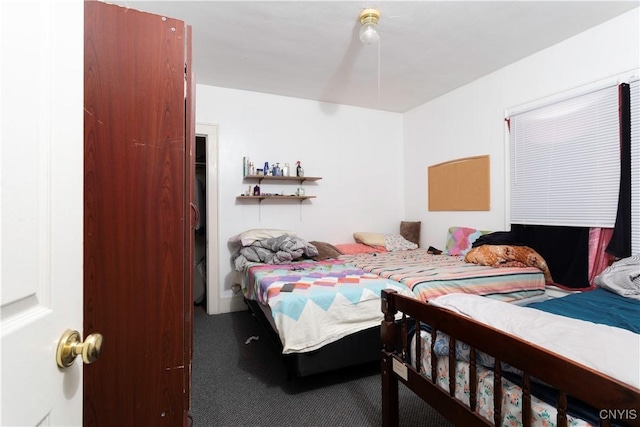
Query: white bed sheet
(613, 351)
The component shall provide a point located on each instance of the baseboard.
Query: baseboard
(232, 304)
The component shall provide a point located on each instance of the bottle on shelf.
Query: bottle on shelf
(299, 170)
(256, 190)
(285, 170)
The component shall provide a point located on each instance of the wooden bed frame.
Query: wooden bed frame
(598, 390)
(355, 349)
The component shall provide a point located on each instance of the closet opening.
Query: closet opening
(205, 254)
(200, 240)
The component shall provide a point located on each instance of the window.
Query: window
(565, 166)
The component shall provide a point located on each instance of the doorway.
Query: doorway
(206, 271)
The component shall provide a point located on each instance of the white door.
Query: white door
(41, 208)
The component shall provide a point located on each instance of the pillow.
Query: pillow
(395, 242)
(325, 251)
(371, 239)
(460, 239)
(246, 238)
(622, 277)
(358, 248)
(410, 230)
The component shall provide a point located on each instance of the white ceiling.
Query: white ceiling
(311, 49)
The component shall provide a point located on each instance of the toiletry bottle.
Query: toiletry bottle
(285, 170)
(252, 170)
(299, 170)
(266, 168)
(256, 190)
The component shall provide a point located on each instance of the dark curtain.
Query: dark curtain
(565, 249)
(620, 244)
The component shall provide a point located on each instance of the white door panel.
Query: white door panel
(41, 208)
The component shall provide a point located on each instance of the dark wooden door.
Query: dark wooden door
(137, 217)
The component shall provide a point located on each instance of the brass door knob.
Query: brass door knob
(71, 346)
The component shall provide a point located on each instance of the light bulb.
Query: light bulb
(369, 26)
(369, 33)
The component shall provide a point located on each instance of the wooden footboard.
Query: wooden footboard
(613, 400)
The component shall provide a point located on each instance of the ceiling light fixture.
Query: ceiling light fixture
(369, 29)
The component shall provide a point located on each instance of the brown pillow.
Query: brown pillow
(410, 230)
(325, 251)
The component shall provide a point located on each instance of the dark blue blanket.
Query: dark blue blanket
(597, 306)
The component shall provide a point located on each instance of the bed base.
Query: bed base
(593, 388)
(355, 349)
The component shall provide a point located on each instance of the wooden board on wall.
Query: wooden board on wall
(459, 185)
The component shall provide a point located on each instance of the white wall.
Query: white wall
(470, 120)
(357, 152)
(373, 163)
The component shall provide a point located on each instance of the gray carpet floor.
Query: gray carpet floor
(239, 379)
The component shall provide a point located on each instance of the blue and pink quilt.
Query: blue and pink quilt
(315, 303)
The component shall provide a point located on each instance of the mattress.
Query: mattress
(429, 276)
(603, 346)
(543, 414)
(610, 350)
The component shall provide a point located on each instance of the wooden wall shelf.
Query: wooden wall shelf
(272, 196)
(299, 179)
(275, 197)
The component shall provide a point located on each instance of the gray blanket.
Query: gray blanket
(276, 250)
(622, 277)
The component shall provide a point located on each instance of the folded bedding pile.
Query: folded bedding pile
(274, 250)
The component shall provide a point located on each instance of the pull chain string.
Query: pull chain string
(378, 72)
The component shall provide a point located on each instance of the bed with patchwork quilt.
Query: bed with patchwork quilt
(322, 314)
(429, 275)
(314, 303)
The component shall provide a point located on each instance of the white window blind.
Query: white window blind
(634, 87)
(565, 166)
